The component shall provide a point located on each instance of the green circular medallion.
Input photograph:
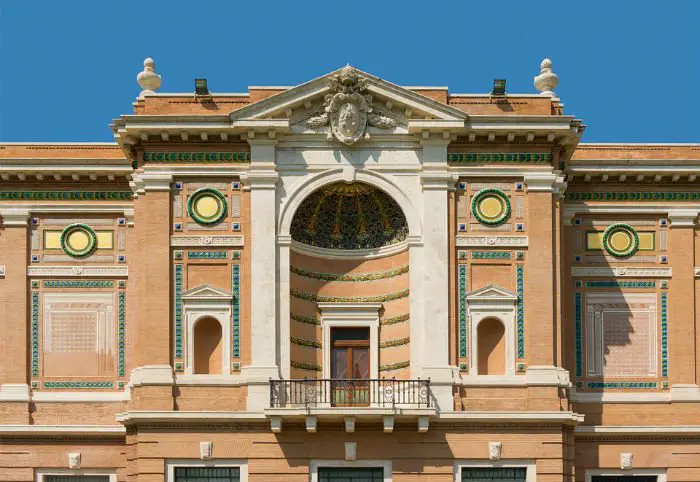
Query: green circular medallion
(491, 206)
(78, 240)
(620, 240)
(207, 206)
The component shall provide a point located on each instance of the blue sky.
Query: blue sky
(629, 69)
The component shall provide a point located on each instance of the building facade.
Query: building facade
(349, 280)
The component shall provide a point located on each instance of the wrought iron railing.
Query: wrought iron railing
(353, 392)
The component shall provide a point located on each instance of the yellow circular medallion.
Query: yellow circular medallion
(491, 207)
(621, 241)
(207, 206)
(78, 240)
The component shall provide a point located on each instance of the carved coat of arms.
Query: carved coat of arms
(349, 109)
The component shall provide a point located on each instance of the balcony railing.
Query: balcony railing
(354, 392)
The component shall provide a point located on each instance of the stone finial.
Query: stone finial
(547, 80)
(148, 79)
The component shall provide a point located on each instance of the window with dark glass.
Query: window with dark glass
(76, 478)
(345, 474)
(494, 474)
(350, 366)
(207, 474)
(623, 478)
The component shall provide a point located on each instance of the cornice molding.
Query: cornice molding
(14, 216)
(545, 182)
(603, 431)
(585, 272)
(151, 182)
(683, 218)
(63, 430)
(78, 271)
(315, 251)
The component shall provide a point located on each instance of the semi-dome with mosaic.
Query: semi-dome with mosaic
(349, 216)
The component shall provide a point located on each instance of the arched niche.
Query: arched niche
(491, 347)
(208, 346)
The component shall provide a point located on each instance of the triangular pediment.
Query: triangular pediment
(206, 292)
(395, 105)
(491, 293)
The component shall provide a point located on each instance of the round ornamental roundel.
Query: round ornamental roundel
(491, 206)
(620, 240)
(207, 206)
(78, 240)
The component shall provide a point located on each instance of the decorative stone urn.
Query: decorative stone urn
(547, 80)
(148, 79)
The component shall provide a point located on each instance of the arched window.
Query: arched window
(207, 346)
(491, 347)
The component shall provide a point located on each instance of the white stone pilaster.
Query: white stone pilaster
(262, 181)
(283, 252)
(434, 323)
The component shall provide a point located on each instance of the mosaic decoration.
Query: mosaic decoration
(664, 334)
(121, 333)
(394, 319)
(620, 284)
(490, 207)
(303, 342)
(353, 299)
(196, 156)
(207, 206)
(393, 343)
(353, 277)
(312, 367)
(236, 310)
(579, 333)
(207, 255)
(309, 320)
(462, 281)
(394, 366)
(178, 310)
(621, 384)
(520, 308)
(66, 195)
(491, 255)
(78, 240)
(79, 284)
(78, 384)
(632, 196)
(35, 333)
(535, 157)
(620, 240)
(349, 216)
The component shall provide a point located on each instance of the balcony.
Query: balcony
(386, 399)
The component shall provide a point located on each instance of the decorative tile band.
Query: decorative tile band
(621, 385)
(632, 196)
(309, 320)
(394, 366)
(394, 319)
(207, 254)
(236, 310)
(121, 332)
(664, 334)
(178, 310)
(79, 284)
(35, 333)
(78, 384)
(312, 367)
(350, 277)
(520, 308)
(462, 286)
(352, 299)
(537, 157)
(196, 156)
(620, 284)
(491, 255)
(579, 334)
(66, 195)
(393, 343)
(303, 342)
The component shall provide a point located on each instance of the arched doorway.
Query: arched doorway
(207, 346)
(491, 347)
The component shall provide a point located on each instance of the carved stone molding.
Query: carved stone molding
(581, 272)
(78, 271)
(213, 240)
(492, 241)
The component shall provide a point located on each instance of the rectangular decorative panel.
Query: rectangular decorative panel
(647, 241)
(52, 239)
(235, 205)
(105, 239)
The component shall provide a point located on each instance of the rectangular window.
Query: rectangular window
(494, 474)
(350, 366)
(623, 478)
(207, 474)
(79, 335)
(347, 474)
